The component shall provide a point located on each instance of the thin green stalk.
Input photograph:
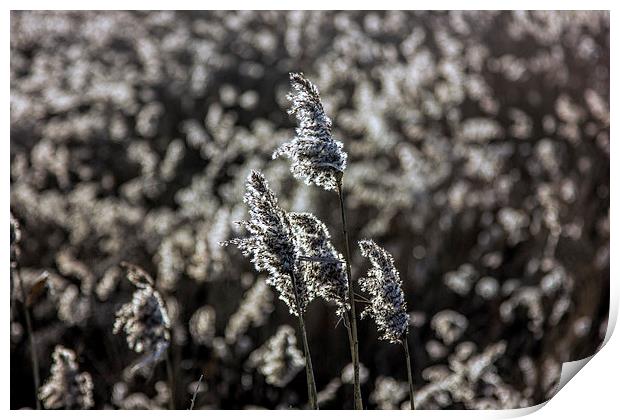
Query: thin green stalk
(312, 395)
(353, 342)
(409, 375)
(33, 346)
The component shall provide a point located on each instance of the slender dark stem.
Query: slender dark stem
(171, 384)
(409, 375)
(353, 342)
(33, 345)
(312, 397)
(191, 407)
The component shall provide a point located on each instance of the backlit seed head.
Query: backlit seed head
(315, 156)
(67, 387)
(387, 301)
(279, 359)
(144, 320)
(290, 246)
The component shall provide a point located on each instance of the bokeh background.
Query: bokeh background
(478, 150)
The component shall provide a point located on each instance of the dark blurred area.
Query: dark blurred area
(478, 148)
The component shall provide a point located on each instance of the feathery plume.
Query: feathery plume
(144, 319)
(67, 387)
(388, 307)
(294, 249)
(387, 301)
(388, 393)
(271, 244)
(254, 309)
(279, 359)
(290, 244)
(459, 382)
(323, 266)
(315, 156)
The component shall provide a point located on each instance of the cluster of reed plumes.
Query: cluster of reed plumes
(295, 249)
(474, 150)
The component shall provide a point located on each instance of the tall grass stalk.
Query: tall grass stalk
(409, 374)
(353, 341)
(191, 407)
(311, 384)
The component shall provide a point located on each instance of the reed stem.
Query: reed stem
(191, 407)
(409, 375)
(312, 395)
(353, 341)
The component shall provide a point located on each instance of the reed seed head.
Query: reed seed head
(271, 244)
(387, 301)
(67, 387)
(145, 319)
(253, 310)
(315, 156)
(320, 264)
(279, 359)
(287, 245)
